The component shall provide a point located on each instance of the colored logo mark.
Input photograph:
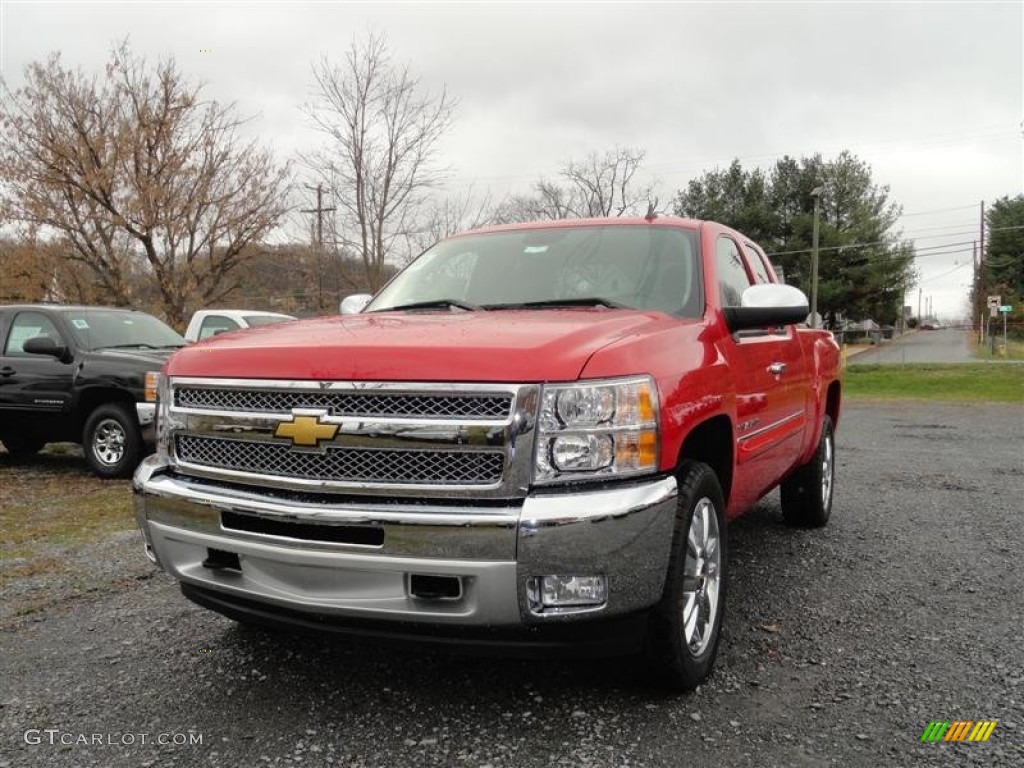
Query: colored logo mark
(306, 430)
(959, 730)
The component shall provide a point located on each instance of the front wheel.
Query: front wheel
(807, 493)
(686, 624)
(112, 442)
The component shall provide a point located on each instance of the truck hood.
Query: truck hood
(149, 359)
(500, 345)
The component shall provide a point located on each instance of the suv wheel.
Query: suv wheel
(112, 442)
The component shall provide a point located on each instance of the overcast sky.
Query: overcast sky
(930, 94)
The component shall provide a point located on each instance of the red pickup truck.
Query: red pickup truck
(531, 438)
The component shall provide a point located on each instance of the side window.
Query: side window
(28, 325)
(755, 262)
(770, 268)
(732, 275)
(215, 324)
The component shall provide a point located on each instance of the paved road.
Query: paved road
(945, 346)
(840, 646)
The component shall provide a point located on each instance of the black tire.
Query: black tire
(696, 581)
(22, 446)
(111, 441)
(807, 493)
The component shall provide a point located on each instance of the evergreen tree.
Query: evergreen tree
(865, 267)
(1004, 255)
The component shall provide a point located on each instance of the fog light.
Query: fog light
(555, 592)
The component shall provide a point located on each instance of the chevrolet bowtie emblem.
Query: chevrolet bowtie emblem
(306, 430)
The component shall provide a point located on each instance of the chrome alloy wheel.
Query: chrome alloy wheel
(827, 469)
(108, 442)
(701, 577)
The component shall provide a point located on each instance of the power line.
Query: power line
(969, 226)
(854, 246)
(944, 274)
(972, 206)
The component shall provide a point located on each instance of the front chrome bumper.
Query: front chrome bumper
(494, 549)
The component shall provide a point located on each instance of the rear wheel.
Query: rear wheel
(112, 442)
(686, 624)
(807, 493)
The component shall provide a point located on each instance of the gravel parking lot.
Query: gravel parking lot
(840, 646)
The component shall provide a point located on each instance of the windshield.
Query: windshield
(641, 266)
(106, 328)
(256, 320)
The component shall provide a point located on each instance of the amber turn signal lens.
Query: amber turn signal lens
(152, 382)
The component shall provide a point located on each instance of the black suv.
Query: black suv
(81, 374)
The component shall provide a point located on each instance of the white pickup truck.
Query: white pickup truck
(209, 322)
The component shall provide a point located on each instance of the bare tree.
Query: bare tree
(383, 136)
(134, 168)
(600, 185)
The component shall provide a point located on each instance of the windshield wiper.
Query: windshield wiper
(588, 301)
(433, 304)
(128, 346)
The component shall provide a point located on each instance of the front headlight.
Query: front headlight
(597, 429)
(163, 427)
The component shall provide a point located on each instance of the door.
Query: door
(34, 389)
(768, 366)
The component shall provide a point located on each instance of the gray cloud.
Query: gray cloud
(931, 94)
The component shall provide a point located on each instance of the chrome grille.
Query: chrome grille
(353, 404)
(408, 467)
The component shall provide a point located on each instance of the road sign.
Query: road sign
(1006, 308)
(995, 301)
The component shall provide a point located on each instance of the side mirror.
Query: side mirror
(354, 304)
(44, 345)
(767, 305)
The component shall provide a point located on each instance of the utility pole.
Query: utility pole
(982, 230)
(919, 318)
(978, 293)
(982, 283)
(816, 193)
(319, 244)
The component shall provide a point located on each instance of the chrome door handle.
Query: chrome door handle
(777, 369)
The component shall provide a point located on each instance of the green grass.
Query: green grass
(1014, 350)
(957, 382)
(51, 501)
